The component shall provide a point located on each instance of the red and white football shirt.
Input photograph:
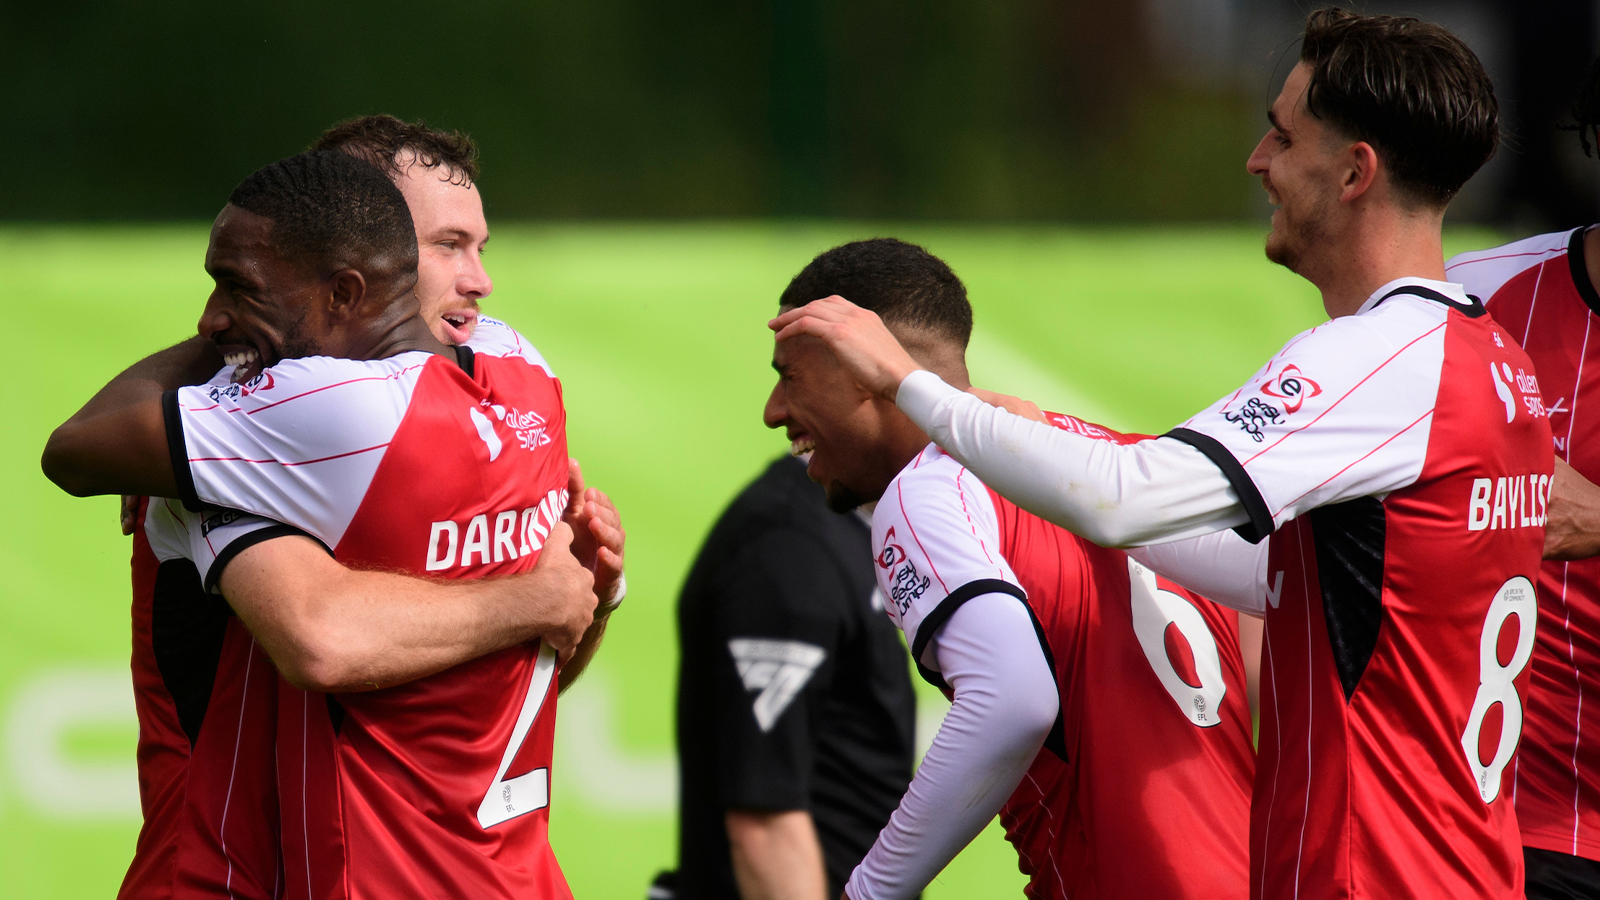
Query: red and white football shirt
(1539, 290)
(1403, 451)
(1144, 789)
(206, 699)
(415, 464)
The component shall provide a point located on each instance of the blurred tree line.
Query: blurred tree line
(1036, 109)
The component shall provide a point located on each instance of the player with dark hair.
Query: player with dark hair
(1542, 289)
(1100, 710)
(1398, 469)
(428, 460)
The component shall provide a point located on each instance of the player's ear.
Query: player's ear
(348, 288)
(1361, 169)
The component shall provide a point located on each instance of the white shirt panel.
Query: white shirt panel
(495, 338)
(934, 532)
(1343, 410)
(1483, 272)
(166, 527)
(303, 449)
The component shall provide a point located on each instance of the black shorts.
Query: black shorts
(1560, 876)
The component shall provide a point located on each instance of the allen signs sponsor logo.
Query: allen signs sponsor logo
(1292, 387)
(530, 429)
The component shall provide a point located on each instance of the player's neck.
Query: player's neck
(408, 334)
(1375, 252)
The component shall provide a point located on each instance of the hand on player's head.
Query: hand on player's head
(1014, 405)
(858, 337)
(564, 590)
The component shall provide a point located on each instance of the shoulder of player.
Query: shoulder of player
(493, 337)
(293, 378)
(934, 485)
(1483, 272)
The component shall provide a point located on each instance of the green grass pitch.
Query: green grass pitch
(659, 334)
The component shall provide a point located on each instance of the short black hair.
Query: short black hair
(1411, 89)
(330, 210)
(381, 138)
(903, 283)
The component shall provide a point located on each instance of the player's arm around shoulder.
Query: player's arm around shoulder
(331, 628)
(117, 443)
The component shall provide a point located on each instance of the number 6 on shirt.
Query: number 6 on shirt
(1496, 682)
(511, 797)
(1153, 610)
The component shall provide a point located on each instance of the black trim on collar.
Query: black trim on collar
(1056, 740)
(178, 452)
(1472, 310)
(466, 360)
(1579, 267)
(245, 542)
(1260, 524)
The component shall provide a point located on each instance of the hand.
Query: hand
(1572, 528)
(1014, 405)
(855, 335)
(130, 512)
(566, 588)
(598, 537)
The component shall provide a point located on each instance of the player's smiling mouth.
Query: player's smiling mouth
(800, 445)
(245, 360)
(459, 324)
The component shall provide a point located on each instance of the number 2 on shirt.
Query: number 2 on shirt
(1153, 610)
(511, 797)
(1496, 682)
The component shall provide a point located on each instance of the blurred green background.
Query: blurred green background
(654, 174)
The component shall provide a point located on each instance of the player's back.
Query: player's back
(420, 465)
(1153, 798)
(1143, 789)
(206, 697)
(1539, 289)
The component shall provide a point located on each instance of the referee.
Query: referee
(796, 717)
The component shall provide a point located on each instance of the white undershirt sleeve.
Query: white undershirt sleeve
(1005, 704)
(1222, 566)
(1113, 494)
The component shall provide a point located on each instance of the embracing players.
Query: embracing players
(1100, 709)
(1390, 476)
(429, 460)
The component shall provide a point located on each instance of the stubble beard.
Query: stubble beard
(1288, 246)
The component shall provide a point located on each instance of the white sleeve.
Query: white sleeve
(1342, 411)
(1221, 566)
(1005, 704)
(299, 443)
(209, 539)
(1113, 494)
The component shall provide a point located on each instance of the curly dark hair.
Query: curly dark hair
(1411, 89)
(380, 139)
(331, 210)
(903, 283)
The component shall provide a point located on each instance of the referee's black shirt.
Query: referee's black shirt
(793, 691)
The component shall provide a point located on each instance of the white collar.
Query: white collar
(1450, 289)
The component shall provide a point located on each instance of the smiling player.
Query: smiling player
(1100, 710)
(1400, 478)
